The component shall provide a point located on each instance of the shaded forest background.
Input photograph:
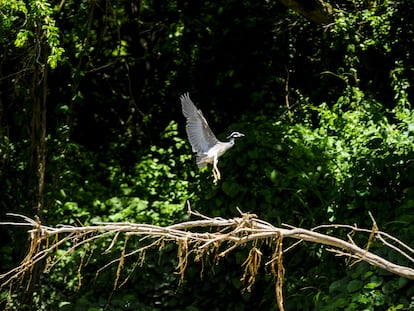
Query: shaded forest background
(91, 130)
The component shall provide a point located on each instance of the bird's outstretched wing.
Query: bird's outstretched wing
(199, 133)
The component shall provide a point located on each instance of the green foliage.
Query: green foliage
(35, 19)
(159, 186)
(364, 28)
(11, 10)
(154, 191)
(365, 288)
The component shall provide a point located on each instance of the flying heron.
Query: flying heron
(202, 139)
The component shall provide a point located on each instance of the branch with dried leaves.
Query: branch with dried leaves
(200, 238)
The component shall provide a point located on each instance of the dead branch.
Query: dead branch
(202, 237)
(318, 11)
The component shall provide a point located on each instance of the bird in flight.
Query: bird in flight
(202, 139)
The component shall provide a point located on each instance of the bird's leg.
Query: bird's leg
(215, 176)
(216, 172)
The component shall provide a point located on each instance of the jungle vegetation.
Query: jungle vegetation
(91, 130)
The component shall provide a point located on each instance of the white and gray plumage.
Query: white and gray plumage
(203, 142)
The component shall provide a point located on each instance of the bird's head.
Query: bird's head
(234, 135)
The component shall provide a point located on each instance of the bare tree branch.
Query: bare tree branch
(201, 238)
(318, 11)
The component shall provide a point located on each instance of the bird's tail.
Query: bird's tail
(202, 160)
